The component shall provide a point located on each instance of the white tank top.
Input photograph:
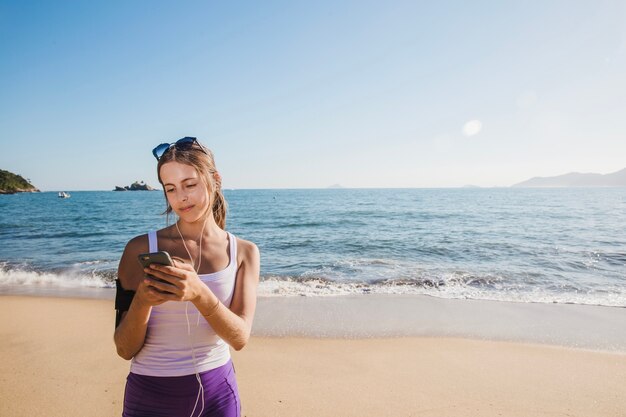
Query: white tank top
(167, 347)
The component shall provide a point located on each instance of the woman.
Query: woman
(176, 323)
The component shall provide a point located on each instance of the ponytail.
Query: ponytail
(220, 207)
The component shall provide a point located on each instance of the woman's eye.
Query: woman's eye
(191, 185)
(169, 191)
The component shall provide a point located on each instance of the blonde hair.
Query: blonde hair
(201, 158)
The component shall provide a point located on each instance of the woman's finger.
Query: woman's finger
(174, 280)
(155, 294)
(168, 296)
(163, 286)
(170, 270)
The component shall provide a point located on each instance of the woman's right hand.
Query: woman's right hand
(148, 295)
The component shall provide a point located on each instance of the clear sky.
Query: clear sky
(309, 94)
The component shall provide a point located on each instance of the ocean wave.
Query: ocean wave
(326, 282)
(71, 278)
(450, 285)
(299, 225)
(611, 258)
(62, 235)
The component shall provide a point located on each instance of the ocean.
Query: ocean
(565, 245)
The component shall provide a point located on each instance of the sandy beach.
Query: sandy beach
(58, 359)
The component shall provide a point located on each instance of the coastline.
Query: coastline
(367, 316)
(59, 359)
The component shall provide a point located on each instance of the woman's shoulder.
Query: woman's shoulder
(247, 251)
(129, 270)
(161, 233)
(138, 244)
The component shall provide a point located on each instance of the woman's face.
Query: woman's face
(185, 191)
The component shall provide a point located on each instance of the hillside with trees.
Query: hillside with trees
(11, 183)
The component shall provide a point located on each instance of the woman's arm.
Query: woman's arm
(130, 335)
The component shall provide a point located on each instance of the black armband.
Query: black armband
(123, 298)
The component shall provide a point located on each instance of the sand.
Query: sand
(58, 359)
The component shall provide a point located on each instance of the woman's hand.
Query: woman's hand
(181, 281)
(148, 295)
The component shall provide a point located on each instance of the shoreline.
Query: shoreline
(372, 316)
(58, 359)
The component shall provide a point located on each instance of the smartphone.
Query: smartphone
(161, 258)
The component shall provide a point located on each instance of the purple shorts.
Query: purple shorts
(175, 396)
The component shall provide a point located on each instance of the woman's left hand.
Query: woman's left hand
(182, 281)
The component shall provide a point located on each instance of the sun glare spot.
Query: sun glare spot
(472, 127)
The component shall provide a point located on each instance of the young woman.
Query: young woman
(177, 323)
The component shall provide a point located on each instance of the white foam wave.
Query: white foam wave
(89, 263)
(278, 286)
(367, 268)
(452, 285)
(69, 279)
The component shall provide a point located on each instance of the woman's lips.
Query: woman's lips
(186, 208)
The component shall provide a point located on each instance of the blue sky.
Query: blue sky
(310, 94)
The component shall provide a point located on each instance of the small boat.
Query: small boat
(63, 194)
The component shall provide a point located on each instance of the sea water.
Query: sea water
(565, 245)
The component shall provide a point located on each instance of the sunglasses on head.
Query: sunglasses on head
(184, 143)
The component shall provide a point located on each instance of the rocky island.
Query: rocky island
(11, 183)
(136, 186)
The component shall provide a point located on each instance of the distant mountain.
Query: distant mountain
(11, 183)
(577, 179)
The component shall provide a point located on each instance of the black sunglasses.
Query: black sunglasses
(184, 143)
